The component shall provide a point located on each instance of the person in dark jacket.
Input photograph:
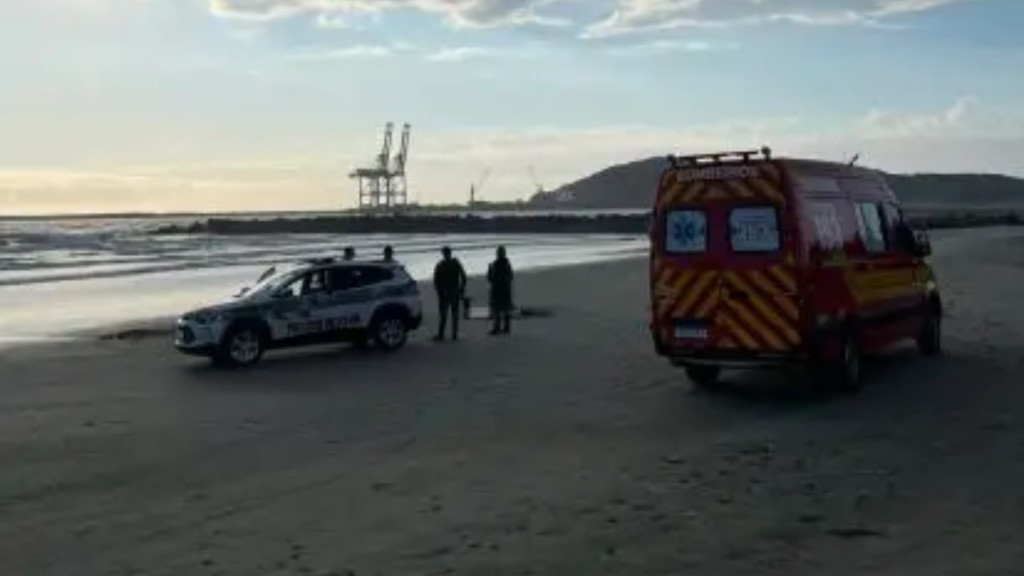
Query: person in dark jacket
(389, 254)
(499, 275)
(350, 253)
(450, 285)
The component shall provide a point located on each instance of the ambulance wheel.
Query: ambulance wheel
(846, 369)
(704, 376)
(243, 345)
(929, 341)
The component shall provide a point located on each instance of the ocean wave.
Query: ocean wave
(53, 258)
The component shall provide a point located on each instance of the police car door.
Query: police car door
(354, 293)
(303, 316)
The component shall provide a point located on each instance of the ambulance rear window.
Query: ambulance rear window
(686, 232)
(754, 229)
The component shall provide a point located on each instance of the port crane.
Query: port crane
(384, 183)
(475, 188)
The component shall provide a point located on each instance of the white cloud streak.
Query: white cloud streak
(633, 16)
(622, 16)
(670, 46)
(464, 53)
(459, 13)
(348, 52)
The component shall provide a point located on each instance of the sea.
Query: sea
(68, 276)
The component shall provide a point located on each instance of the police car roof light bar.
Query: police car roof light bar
(718, 157)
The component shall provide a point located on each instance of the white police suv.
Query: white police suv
(313, 302)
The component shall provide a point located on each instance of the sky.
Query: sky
(212, 105)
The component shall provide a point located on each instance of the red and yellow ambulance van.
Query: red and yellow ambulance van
(757, 261)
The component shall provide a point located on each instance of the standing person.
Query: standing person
(450, 285)
(499, 275)
(389, 254)
(350, 253)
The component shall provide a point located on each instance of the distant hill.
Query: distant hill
(632, 185)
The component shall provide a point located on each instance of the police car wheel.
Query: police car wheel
(242, 346)
(390, 332)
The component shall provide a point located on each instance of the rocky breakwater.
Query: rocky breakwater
(426, 224)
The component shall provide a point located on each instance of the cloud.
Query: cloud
(631, 16)
(460, 13)
(669, 46)
(462, 53)
(440, 55)
(622, 16)
(347, 52)
(887, 124)
(332, 22)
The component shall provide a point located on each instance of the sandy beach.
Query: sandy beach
(567, 448)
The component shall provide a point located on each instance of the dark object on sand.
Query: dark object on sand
(137, 334)
(523, 312)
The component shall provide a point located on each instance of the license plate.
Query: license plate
(691, 332)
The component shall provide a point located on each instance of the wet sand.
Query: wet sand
(566, 448)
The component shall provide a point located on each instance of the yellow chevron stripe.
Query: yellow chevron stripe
(669, 194)
(740, 189)
(783, 301)
(716, 193)
(740, 334)
(663, 289)
(693, 192)
(772, 172)
(768, 190)
(707, 305)
(754, 324)
(766, 311)
(663, 275)
(696, 289)
(784, 277)
(673, 289)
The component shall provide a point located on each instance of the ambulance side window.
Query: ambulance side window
(870, 227)
(828, 233)
(686, 232)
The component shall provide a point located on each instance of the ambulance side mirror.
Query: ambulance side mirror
(922, 244)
